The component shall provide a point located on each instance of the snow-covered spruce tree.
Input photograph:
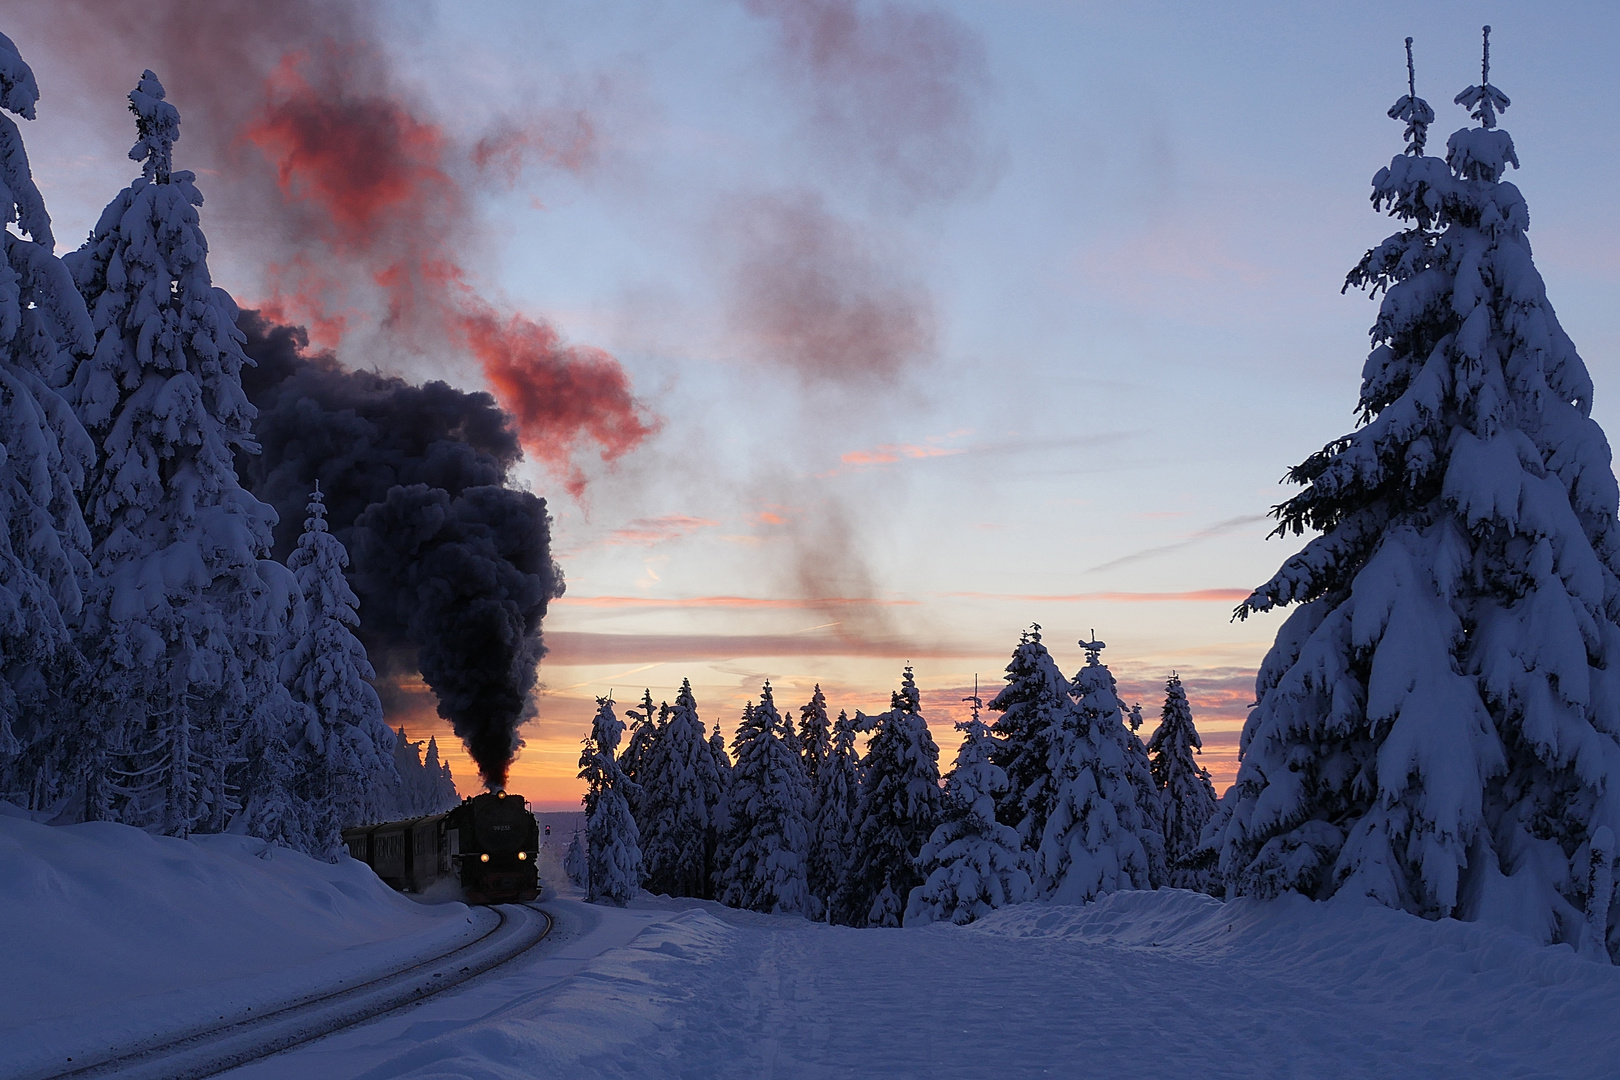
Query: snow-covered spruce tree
(440, 783)
(972, 864)
(1032, 705)
(1437, 723)
(637, 749)
(761, 864)
(345, 754)
(720, 813)
(1097, 839)
(179, 624)
(1188, 794)
(422, 784)
(44, 546)
(574, 862)
(270, 750)
(1149, 799)
(814, 737)
(680, 795)
(837, 801)
(649, 760)
(899, 808)
(613, 843)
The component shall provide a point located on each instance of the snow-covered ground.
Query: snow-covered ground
(106, 931)
(107, 928)
(1167, 984)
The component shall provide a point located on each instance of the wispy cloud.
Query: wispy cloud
(1221, 696)
(795, 604)
(1193, 596)
(888, 453)
(583, 648)
(645, 532)
(933, 446)
(1011, 444)
(1220, 528)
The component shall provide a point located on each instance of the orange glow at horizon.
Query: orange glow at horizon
(545, 770)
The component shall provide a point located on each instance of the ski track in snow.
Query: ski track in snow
(1164, 984)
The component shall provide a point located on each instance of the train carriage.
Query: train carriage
(489, 843)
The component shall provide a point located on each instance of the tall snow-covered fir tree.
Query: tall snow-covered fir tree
(1187, 792)
(972, 864)
(271, 749)
(420, 784)
(899, 807)
(179, 625)
(638, 748)
(761, 863)
(1149, 799)
(680, 795)
(44, 455)
(1033, 704)
(613, 842)
(1436, 725)
(345, 751)
(1097, 838)
(720, 814)
(437, 778)
(837, 802)
(575, 864)
(814, 736)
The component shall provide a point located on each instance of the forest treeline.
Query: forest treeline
(846, 819)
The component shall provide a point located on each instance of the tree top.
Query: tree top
(157, 126)
(1414, 110)
(316, 521)
(18, 90)
(1484, 100)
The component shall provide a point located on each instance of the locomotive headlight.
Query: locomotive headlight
(522, 855)
(484, 857)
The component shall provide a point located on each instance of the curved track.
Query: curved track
(197, 1054)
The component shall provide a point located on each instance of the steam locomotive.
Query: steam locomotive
(489, 842)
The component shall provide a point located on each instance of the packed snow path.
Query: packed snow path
(1165, 984)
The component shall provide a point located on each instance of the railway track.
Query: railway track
(194, 1054)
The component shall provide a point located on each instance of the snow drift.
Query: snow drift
(1137, 984)
(108, 930)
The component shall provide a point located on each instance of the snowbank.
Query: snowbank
(105, 929)
(1139, 984)
(1345, 943)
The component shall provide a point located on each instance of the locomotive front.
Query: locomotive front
(493, 842)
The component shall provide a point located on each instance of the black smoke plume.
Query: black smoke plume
(452, 567)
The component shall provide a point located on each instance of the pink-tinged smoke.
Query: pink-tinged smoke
(565, 139)
(562, 396)
(889, 95)
(809, 291)
(893, 91)
(364, 202)
(376, 185)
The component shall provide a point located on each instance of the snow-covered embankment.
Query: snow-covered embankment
(109, 934)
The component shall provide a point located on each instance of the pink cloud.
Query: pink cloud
(806, 603)
(886, 453)
(567, 647)
(649, 531)
(1193, 596)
